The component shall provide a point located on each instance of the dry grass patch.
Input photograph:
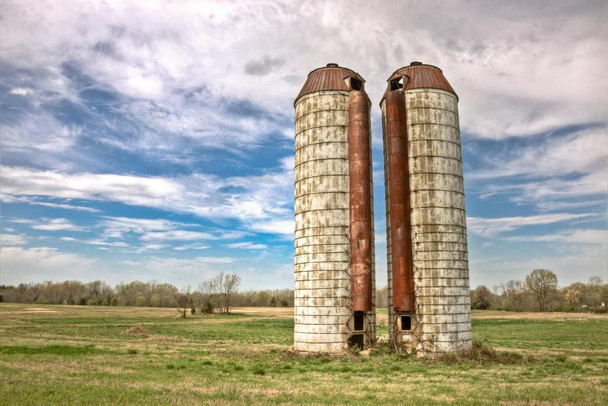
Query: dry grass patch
(506, 315)
(138, 331)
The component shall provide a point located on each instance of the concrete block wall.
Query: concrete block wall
(442, 321)
(438, 221)
(322, 247)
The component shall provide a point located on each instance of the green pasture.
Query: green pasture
(113, 355)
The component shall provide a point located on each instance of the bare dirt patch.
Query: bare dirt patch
(265, 311)
(39, 310)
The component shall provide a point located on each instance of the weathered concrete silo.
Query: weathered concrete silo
(428, 274)
(334, 236)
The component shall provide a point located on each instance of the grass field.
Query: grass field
(109, 355)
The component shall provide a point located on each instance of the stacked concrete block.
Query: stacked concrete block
(324, 319)
(441, 319)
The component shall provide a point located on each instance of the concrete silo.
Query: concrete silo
(334, 236)
(428, 275)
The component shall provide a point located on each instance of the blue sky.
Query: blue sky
(154, 140)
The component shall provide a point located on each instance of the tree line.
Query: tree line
(540, 292)
(215, 295)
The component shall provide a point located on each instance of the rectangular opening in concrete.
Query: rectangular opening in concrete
(356, 341)
(359, 321)
(355, 84)
(397, 84)
(406, 323)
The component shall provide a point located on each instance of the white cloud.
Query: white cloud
(177, 235)
(43, 263)
(117, 226)
(104, 243)
(247, 245)
(12, 239)
(23, 91)
(144, 191)
(197, 247)
(284, 227)
(58, 224)
(561, 173)
(259, 198)
(7, 198)
(493, 227)
(584, 236)
(582, 152)
(506, 62)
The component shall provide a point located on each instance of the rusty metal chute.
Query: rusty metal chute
(399, 202)
(361, 227)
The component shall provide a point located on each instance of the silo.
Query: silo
(334, 236)
(428, 274)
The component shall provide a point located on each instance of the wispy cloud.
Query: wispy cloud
(58, 224)
(253, 199)
(579, 152)
(493, 227)
(247, 245)
(562, 171)
(12, 239)
(581, 236)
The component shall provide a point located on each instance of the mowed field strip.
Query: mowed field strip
(136, 355)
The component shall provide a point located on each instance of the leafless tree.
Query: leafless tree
(220, 290)
(542, 283)
(230, 285)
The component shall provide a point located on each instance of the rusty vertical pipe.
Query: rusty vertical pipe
(399, 202)
(360, 201)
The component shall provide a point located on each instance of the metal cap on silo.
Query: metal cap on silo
(330, 77)
(420, 76)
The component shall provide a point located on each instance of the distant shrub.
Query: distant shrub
(105, 302)
(114, 301)
(193, 310)
(140, 301)
(91, 302)
(207, 308)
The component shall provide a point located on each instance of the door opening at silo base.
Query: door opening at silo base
(359, 321)
(406, 322)
(356, 341)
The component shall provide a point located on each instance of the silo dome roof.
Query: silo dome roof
(421, 76)
(330, 77)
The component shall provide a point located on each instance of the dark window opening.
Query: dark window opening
(397, 84)
(356, 340)
(359, 321)
(406, 323)
(356, 84)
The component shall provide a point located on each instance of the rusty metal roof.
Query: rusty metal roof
(330, 77)
(421, 76)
